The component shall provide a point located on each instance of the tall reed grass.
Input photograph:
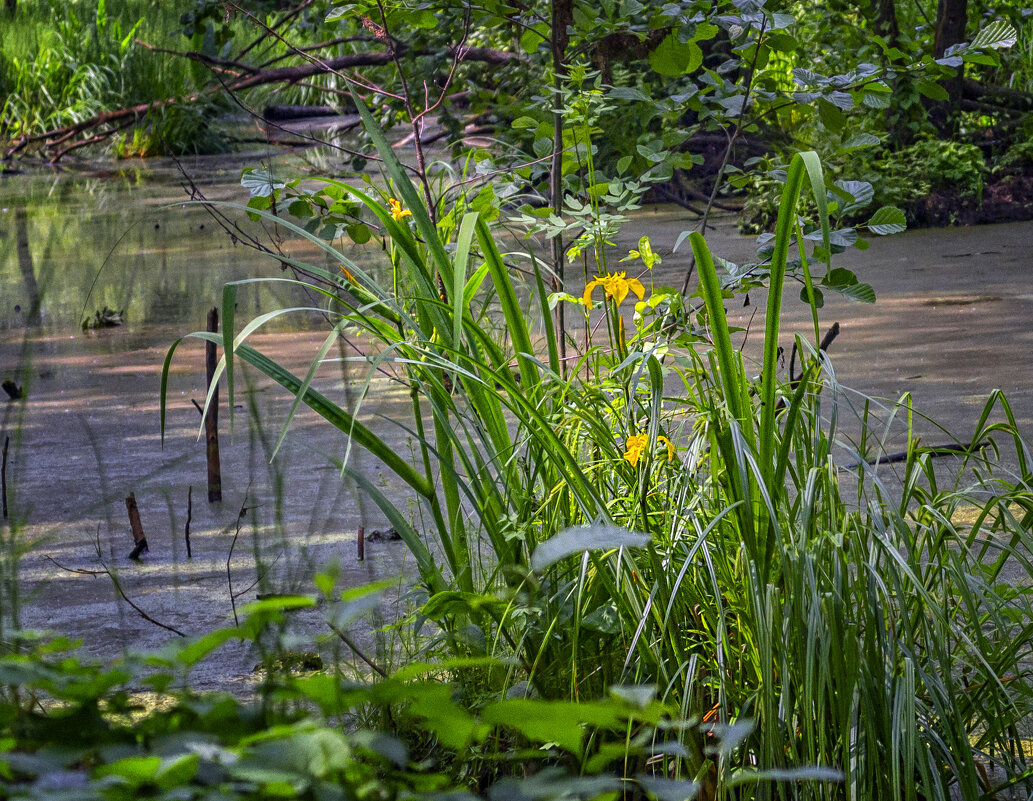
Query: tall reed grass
(64, 62)
(590, 527)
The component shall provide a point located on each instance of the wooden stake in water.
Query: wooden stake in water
(137, 527)
(211, 420)
(3, 476)
(360, 542)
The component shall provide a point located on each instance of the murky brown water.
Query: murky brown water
(952, 323)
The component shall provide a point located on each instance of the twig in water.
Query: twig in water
(139, 611)
(190, 511)
(229, 556)
(259, 577)
(81, 570)
(118, 588)
(948, 449)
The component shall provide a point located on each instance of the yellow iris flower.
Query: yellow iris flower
(616, 286)
(396, 209)
(636, 445)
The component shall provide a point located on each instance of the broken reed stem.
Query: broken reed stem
(211, 420)
(190, 512)
(360, 543)
(932, 451)
(137, 527)
(3, 476)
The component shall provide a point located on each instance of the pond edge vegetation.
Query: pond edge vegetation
(625, 589)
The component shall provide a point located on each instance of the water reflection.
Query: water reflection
(21, 235)
(130, 241)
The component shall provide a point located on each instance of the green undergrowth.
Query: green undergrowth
(904, 178)
(62, 63)
(632, 502)
(133, 729)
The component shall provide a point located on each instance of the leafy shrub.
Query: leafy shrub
(930, 165)
(1018, 158)
(900, 179)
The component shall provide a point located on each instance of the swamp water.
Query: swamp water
(952, 322)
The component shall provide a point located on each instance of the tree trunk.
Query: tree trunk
(951, 19)
(884, 16)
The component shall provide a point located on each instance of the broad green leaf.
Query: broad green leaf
(853, 195)
(559, 722)
(628, 93)
(452, 724)
(872, 100)
(668, 789)
(887, 220)
(705, 31)
(674, 57)
(339, 11)
(260, 183)
(996, 35)
(859, 140)
(931, 90)
(137, 769)
(532, 40)
(859, 292)
(455, 602)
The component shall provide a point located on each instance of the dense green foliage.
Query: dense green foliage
(629, 507)
(671, 83)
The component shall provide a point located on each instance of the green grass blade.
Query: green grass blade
(516, 322)
(306, 382)
(547, 323)
(410, 197)
(462, 256)
(721, 338)
(784, 231)
(338, 418)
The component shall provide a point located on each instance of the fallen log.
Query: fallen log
(120, 118)
(283, 113)
(997, 95)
